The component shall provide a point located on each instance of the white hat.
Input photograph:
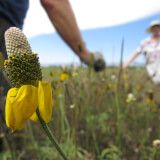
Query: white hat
(153, 23)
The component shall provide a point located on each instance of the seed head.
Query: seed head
(22, 65)
(16, 42)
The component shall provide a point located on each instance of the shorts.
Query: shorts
(4, 25)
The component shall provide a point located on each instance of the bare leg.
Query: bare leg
(62, 17)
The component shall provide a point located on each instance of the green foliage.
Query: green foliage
(87, 122)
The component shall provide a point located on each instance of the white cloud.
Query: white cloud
(91, 14)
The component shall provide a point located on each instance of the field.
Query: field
(111, 115)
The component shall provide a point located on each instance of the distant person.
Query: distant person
(151, 48)
(13, 13)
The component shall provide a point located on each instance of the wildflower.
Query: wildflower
(72, 106)
(58, 92)
(139, 87)
(149, 130)
(54, 73)
(113, 77)
(126, 85)
(156, 144)
(150, 99)
(125, 76)
(102, 90)
(111, 86)
(130, 98)
(25, 74)
(154, 109)
(64, 77)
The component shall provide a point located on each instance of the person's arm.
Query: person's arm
(62, 17)
(131, 59)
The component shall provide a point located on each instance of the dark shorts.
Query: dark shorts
(4, 25)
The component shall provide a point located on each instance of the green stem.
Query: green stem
(118, 142)
(50, 136)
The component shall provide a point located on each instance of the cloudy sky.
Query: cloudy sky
(94, 17)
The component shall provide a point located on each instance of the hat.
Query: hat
(153, 23)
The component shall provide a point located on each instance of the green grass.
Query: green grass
(92, 120)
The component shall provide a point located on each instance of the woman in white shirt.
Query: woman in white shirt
(151, 48)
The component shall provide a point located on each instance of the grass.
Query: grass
(94, 119)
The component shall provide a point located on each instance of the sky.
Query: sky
(103, 25)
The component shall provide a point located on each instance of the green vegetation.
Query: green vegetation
(96, 116)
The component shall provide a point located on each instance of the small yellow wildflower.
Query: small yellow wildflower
(139, 87)
(150, 101)
(64, 77)
(125, 76)
(126, 85)
(111, 86)
(13, 57)
(57, 92)
(154, 109)
(54, 73)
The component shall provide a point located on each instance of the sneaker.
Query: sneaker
(96, 61)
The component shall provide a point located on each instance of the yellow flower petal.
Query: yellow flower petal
(22, 103)
(34, 117)
(64, 76)
(9, 114)
(45, 100)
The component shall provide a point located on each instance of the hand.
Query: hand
(125, 66)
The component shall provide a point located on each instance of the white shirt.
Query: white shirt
(152, 51)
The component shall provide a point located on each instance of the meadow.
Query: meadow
(111, 115)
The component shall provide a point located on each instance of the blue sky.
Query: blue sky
(52, 49)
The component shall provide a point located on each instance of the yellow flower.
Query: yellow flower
(154, 109)
(126, 85)
(125, 76)
(21, 104)
(139, 87)
(111, 85)
(54, 73)
(150, 101)
(64, 77)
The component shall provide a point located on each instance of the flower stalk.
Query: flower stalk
(31, 98)
(50, 136)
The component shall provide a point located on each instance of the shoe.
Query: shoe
(96, 61)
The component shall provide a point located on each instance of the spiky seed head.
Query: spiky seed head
(22, 65)
(16, 42)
